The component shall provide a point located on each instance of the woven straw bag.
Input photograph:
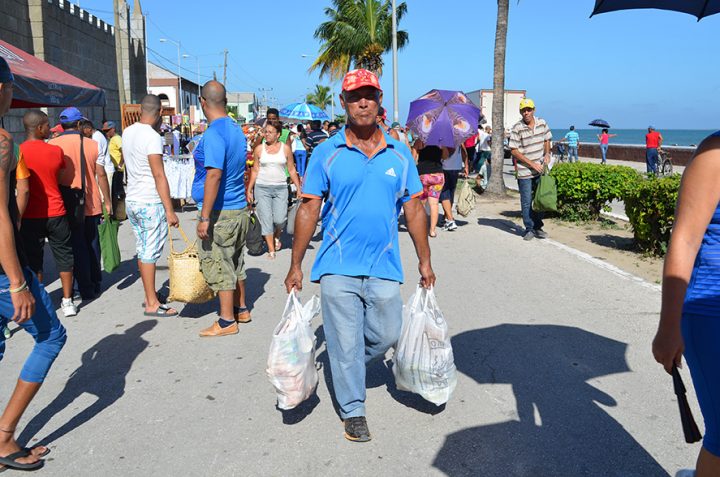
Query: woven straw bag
(187, 283)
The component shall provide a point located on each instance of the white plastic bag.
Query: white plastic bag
(423, 360)
(291, 361)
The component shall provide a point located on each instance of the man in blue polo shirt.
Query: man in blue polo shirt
(573, 141)
(365, 177)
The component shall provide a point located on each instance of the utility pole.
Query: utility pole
(225, 69)
(396, 100)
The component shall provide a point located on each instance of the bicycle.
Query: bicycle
(664, 166)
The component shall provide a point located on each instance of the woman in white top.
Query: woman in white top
(268, 184)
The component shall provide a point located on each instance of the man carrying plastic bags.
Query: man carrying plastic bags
(365, 177)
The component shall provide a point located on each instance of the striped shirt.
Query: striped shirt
(530, 143)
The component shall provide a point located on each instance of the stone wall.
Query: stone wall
(622, 152)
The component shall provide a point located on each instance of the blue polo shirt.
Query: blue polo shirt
(573, 138)
(223, 146)
(363, 200)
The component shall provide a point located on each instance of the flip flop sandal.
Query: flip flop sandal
(10, 461)
(163, 310)
(42, 454)
(162, 298)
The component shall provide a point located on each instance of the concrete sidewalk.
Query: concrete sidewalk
(556, 378)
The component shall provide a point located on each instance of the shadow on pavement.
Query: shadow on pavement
(254, 288)
(102, 373)
(502, 224)
(561, 429)
(613, 241)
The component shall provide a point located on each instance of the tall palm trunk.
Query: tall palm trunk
(497, 179)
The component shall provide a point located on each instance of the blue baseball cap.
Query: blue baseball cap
(6, 75)
(651, 127)
(108, 125)
(71, 114)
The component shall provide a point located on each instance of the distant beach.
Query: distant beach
(671, 137)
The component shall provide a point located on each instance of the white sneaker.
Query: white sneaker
(450, 226)
(68, 307)
(685, 473)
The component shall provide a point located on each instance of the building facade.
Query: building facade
(165, 84)
(483, 99)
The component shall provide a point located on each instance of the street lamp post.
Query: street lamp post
(197, 62)
(180, 95)
(396, 100)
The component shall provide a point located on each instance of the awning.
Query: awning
(39, 84)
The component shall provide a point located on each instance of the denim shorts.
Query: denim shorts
(150, 227)
(222, 255)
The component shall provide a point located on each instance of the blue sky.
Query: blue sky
(632, 68)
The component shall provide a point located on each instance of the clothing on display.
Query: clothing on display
(180, 172)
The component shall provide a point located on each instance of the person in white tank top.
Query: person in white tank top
(268, 184)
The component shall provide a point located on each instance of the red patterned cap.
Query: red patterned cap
(358, 78)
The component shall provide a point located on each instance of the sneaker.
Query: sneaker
(450, 226)
(529, 235)
(68, 307)
(356, 429)
(540, 233)
(7, 333)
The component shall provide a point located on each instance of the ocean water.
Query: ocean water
(671, 137)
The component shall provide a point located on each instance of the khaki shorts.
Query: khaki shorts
(222, 255)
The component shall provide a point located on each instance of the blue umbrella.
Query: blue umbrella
(599, 123)
(303, 111)
(697, 8)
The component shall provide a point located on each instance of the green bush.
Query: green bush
(585, 189)
(650, 206)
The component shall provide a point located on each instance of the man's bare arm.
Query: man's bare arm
(8, 255)
(104, 187)
(161, 184)
(417, 227)
(305, 224)
(22, 187)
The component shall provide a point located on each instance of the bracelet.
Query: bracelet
(202, 219)
(22, 287)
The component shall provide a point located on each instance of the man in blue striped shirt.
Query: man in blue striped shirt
(572, 138)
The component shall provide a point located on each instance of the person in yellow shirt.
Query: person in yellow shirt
(117, 187)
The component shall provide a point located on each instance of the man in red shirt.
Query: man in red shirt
(653, 142)
(44, 215)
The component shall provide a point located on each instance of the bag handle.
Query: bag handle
(184, 237)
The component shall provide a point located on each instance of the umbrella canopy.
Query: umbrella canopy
(39, 84)
(599, 123)
(697, 8)
(443, 118)
(303, 111)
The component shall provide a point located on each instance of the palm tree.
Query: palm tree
(357, 33)
(496, 185)
(320, 97)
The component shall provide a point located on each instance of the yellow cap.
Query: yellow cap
(527, 103)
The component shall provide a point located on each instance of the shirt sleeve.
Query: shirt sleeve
(214, 149)
(548, 134)
(154, 144)
(413, 186)
(316, 183)
(22, 171)
(514, 142)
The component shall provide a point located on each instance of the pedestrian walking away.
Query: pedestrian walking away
(572, 138)
(82, 154)
(117, 184)
(430, 170)
(299, 149)
(690, 312)
(23, 300)
(365, 178)
(268, 185)
(148, 202)
(45, 215)
(604, 138)
(530, 147)
(454, 163)
(653, 143)
(223, 219)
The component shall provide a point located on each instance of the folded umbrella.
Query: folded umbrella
(303, 111)
(690, 428)
(443, 118)
(599, 123)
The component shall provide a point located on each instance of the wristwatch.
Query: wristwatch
(202, 219)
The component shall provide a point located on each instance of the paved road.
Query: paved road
(555, 379)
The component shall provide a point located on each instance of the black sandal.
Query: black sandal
(10, 461)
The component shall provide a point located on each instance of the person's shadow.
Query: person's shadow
(560, 429)
(102, 373)
(254, 289)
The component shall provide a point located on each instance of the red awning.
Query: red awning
(39, 84)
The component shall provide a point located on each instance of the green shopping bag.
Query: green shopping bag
(545, 199)
(109, 247)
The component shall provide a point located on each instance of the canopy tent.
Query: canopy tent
(40, 84)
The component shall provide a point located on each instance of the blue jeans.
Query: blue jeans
(43, 326)
(532, 219)
(300, 161)
(603, 150)
(362, 317)
(572, 151)
(651, 159)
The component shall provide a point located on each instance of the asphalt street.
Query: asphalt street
(556, 377)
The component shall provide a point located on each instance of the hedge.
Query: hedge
(585, 189)
(650, 206)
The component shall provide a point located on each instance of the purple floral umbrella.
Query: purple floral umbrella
(443, 118)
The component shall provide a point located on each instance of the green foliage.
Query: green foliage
(650, 206)
(321, 97)
(356, 32)
(585, 189)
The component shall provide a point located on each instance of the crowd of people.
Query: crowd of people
(356, 179)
